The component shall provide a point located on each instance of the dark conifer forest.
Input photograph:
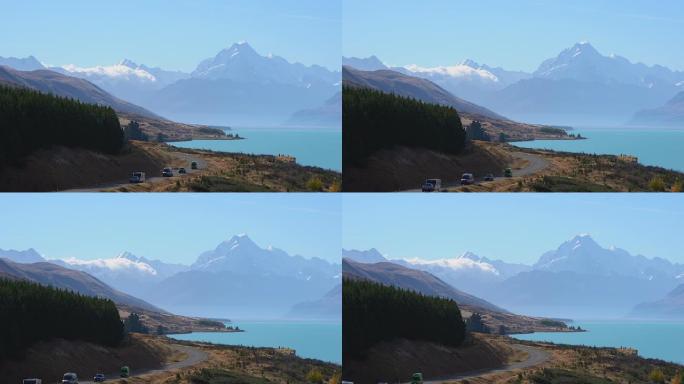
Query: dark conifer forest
(373, 313)
(32, 313)
(30, 120)
(375, 120)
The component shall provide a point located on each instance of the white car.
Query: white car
(70, 378)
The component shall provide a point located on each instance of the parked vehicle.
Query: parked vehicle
(489, 177)
(193, 165)
(431, 185)
(508, 172)
(125, 371)
(32, 381)
(417, 378)
(467, 179)
(137, 177)
(99, 378)
(70, 378)
(182, 171)
(167, 172)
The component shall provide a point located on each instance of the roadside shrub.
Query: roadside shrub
(657, 184)
(315, 376)
(315, 184)
(656, 376)
(336, 378)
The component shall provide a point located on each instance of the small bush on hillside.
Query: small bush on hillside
(315, 184)
(657, 184)
(656, 376)
(315, 376)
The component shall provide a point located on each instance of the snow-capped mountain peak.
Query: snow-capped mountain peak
(241, 255)
(582, 254)
(471, 63)
(471, 256)
(128, 63)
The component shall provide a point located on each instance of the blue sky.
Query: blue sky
(514, 34)
(173, 34)
(511, 227)
(170, 227)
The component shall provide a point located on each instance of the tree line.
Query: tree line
(30, 120)
(30, 313)
(374, 120)
(373, 312)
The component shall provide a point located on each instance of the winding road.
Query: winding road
(535, 163)
(194, 356)
(185, 158)
(535, 356)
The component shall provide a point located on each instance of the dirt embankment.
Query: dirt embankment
(397, 360)
(50, 360)
(62, 168)
(405, 168)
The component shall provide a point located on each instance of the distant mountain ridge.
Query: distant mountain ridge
(59, 277)
(670, 115)
(29, 63)
(237, 86)
(328, 307)
(578, 86)
(328, 115)
(408, 86)
(46, 81)
(423, 282)
(579, 278)
(236, 278)
(669, 307)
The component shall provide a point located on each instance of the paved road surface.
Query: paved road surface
(194, 356)
(535, 356)
(535, 163)
(185, 157)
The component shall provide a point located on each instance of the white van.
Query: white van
(431, 185)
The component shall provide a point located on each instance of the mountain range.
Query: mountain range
(578, 279)
(410, 86)
(578, 86)
(45, 273)
(237, 278)
(237, 87)
(396, 275)
(47, 81)
(670, 115)
(669, 307)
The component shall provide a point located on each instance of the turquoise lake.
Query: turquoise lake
(655, 340)
(658, 147)
(314, 340)
(320, 148)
